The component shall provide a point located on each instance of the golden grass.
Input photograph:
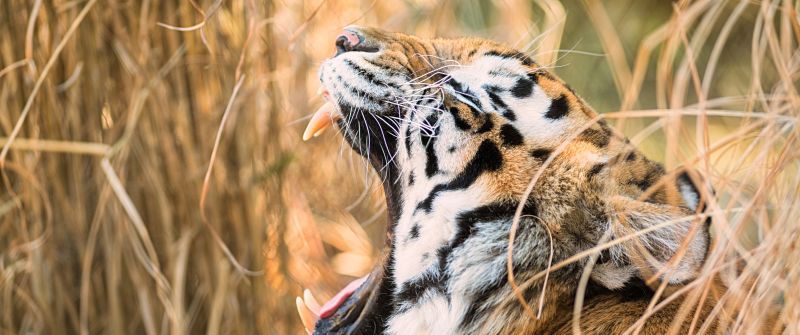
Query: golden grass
(113, 112)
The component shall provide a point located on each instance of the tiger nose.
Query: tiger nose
(348, 40)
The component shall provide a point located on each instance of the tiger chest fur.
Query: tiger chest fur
(466, 135)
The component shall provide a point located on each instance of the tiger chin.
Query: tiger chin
(457, 130)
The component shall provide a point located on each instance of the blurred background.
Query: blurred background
(154, 181)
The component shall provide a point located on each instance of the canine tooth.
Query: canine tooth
(321, 120)
(308, 318)
(311, 301)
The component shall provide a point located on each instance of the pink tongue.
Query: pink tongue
(330, 306)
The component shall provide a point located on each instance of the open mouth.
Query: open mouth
(361, 306)
(355, 309)
(310, 310)
(358, 94)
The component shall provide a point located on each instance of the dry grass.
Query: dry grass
(111, 111)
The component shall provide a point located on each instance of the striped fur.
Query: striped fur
(457, 128)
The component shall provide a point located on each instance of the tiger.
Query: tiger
(476, 146)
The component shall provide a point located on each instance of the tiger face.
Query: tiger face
(457, 129)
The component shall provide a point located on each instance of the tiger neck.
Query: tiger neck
(426, 226)
(456, 251)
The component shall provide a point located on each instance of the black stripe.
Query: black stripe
(534, 77)
(510, 135)
(488, 158)
(599, 138)
(643, 184)
(412, 291)
(548, 75)
(428, 201)
(408, 140)
(488, 213)
(498, 103)
(443, 254)
(604, 256)
(523, 88)
(502, 72)
(497, 100)
(475, 113)
(541, 154)
(465, 93)
(655, 171)
(358, 93)
(380, 66)
(387, 69)
(558, 108)
(368, 74)
(459, 122)
(512, 54)
(414, 232)
(487, 125)
(455, 85)
(429, 141)
(595, 170)
(492, 88)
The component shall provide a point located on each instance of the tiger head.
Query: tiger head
(467, 130)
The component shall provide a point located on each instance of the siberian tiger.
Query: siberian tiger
(458, 129)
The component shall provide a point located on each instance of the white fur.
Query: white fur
(689, 195)
(434, 315)
(530, 111)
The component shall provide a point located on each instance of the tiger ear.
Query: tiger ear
(664, 242)
(689, 183)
